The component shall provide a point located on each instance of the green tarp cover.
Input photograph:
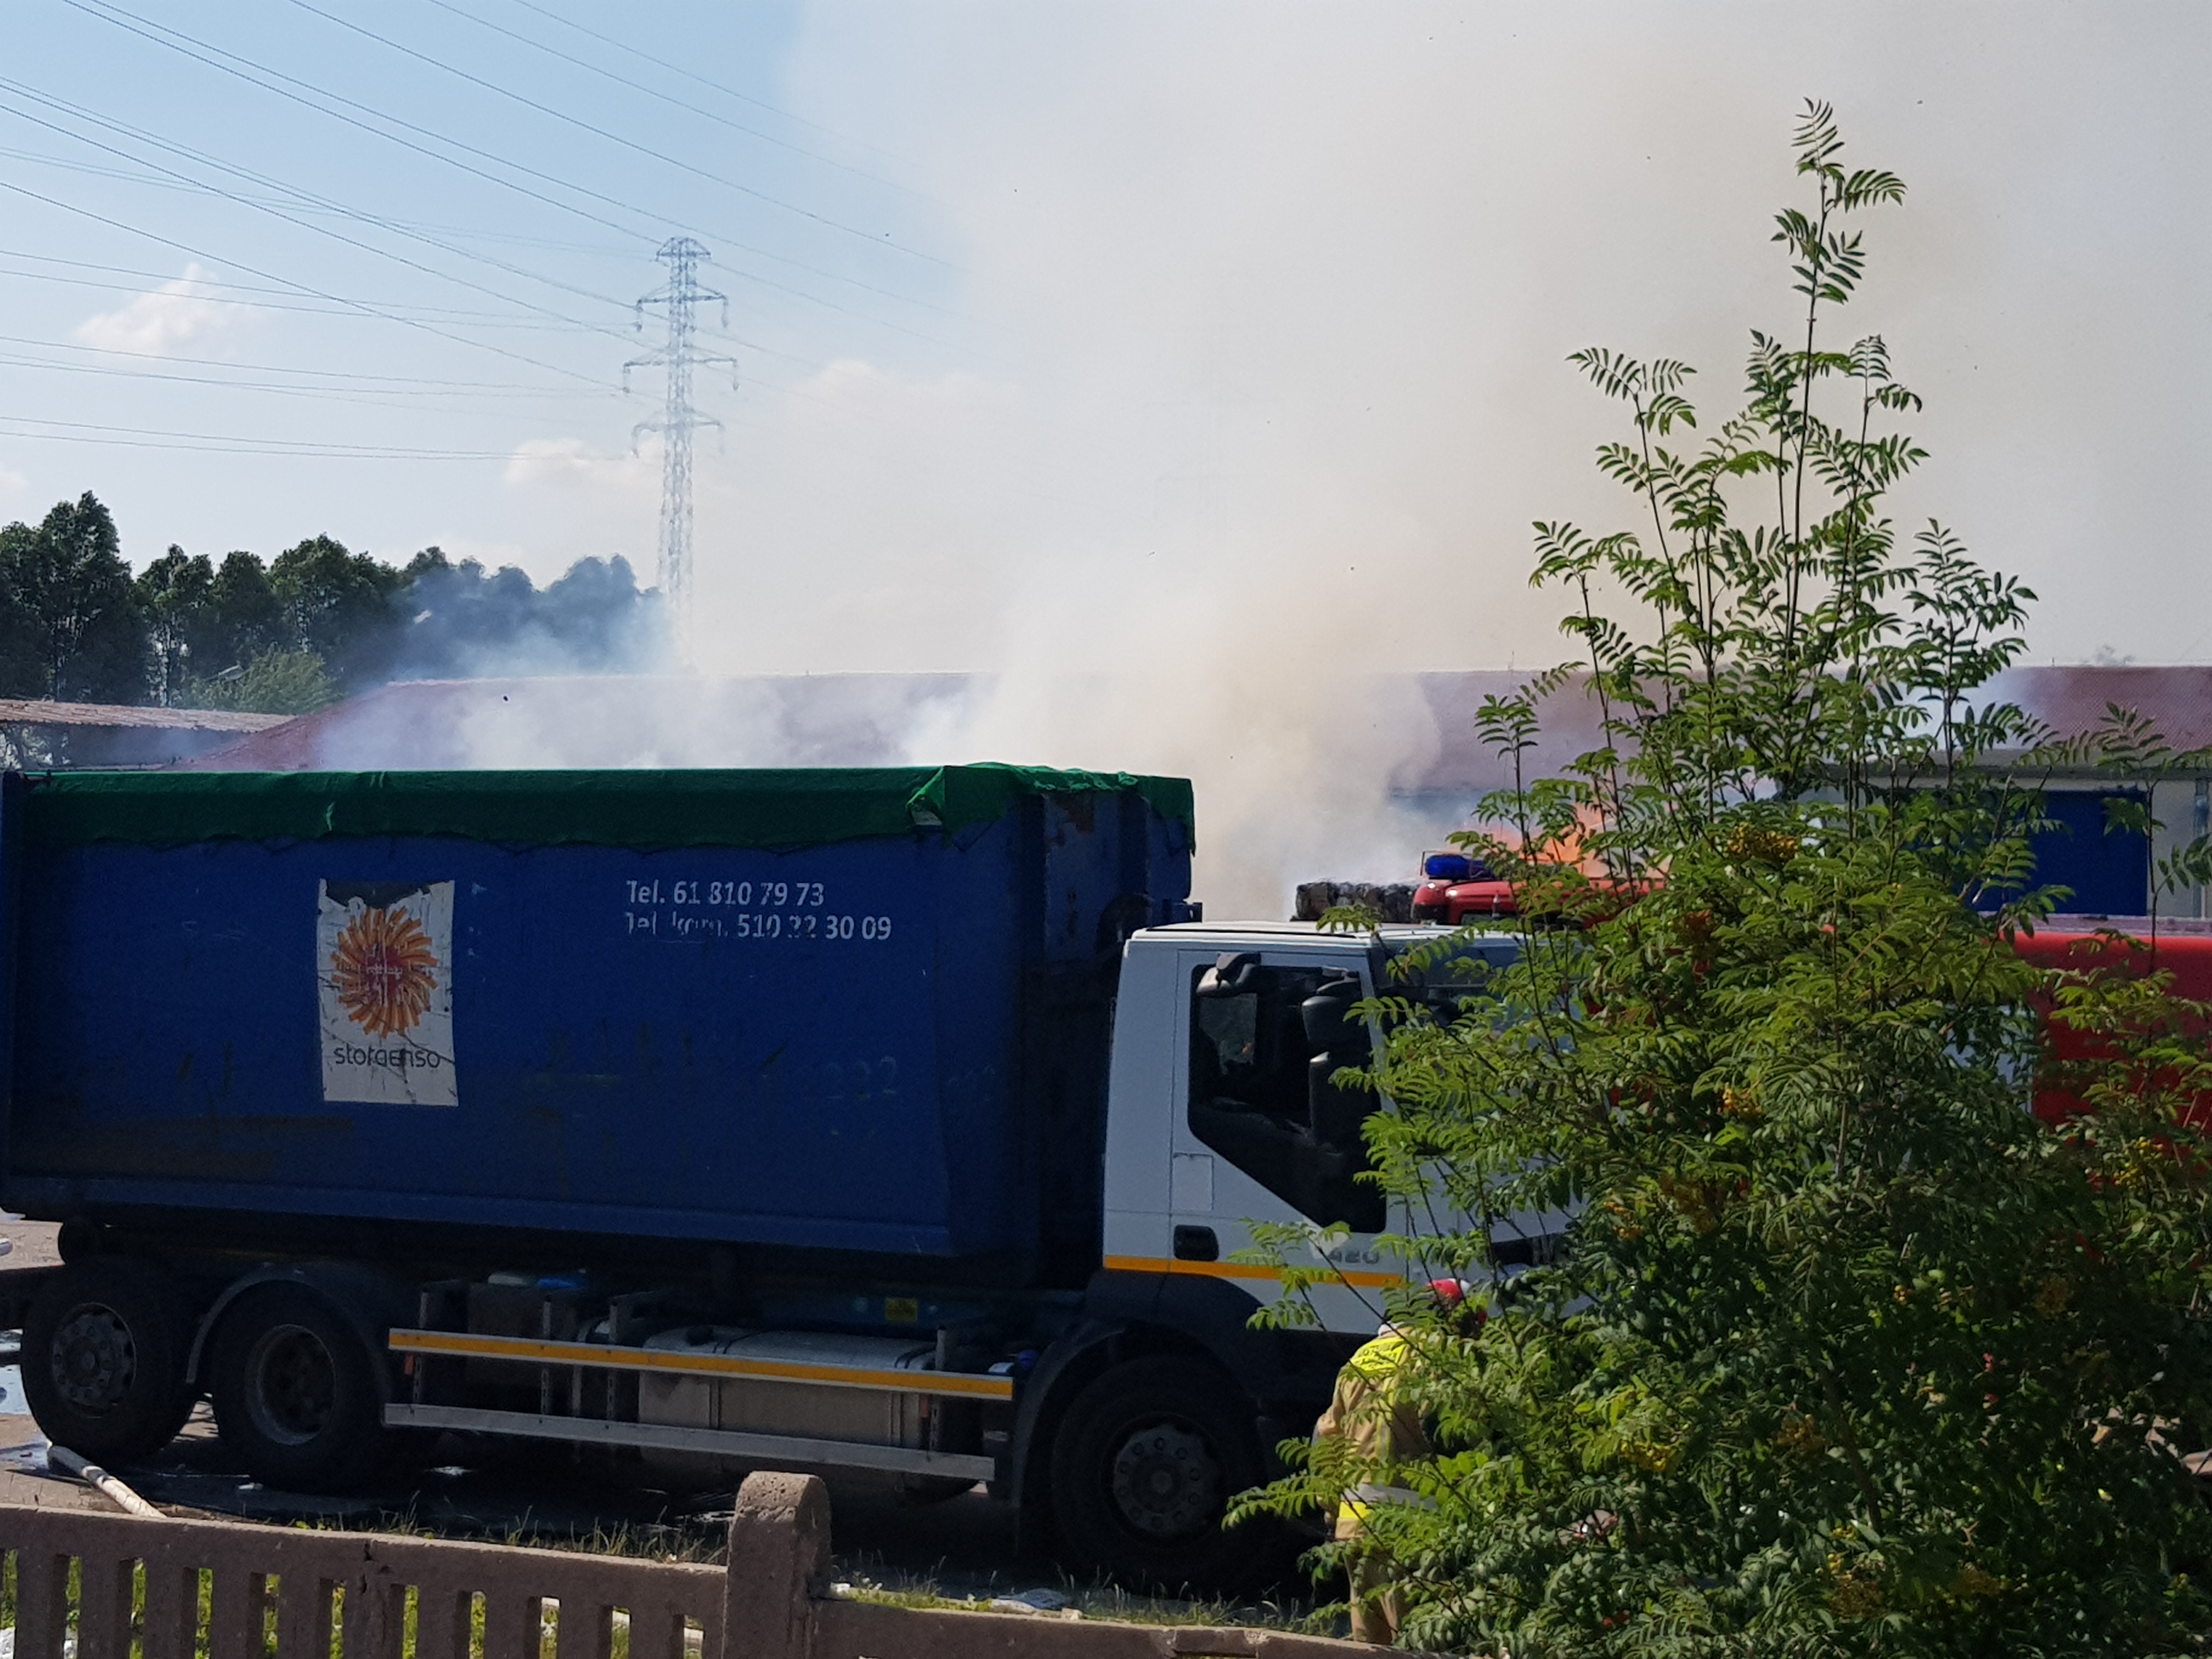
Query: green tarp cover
(793, 807)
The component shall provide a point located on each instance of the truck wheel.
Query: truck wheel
(1145, 1465)
(104, 1359)
(295, 1394)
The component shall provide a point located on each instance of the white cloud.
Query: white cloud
(155, 323)
(569, 463)
(568, 499)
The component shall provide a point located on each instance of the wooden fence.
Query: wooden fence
(232, 1590)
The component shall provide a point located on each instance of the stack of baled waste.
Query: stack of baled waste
(1392, 900)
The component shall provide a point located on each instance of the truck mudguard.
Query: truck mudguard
(371, 1303)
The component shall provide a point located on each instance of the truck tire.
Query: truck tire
(296, 1394)
(104, 1358)
(1143, 1469)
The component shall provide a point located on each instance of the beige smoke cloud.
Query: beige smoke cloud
(1263, 379)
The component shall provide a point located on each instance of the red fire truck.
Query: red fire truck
(1456, 889)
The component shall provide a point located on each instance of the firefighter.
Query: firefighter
(1372, 1425)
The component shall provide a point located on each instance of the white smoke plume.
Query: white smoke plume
(1250, 374)
(1258, 836)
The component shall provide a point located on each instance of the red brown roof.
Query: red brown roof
(39, 711)
(2074, 699)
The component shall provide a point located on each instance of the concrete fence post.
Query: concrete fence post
(779, 1564)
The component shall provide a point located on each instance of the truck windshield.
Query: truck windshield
(1260, 1096)
(1445, 984)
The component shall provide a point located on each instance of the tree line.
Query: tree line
(317, 623)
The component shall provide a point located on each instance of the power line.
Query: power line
(322, 396)
(679, 297)
(238, 66)
(140, 437)
(461, 318)
(474, 233)
(110, 12)
(502, 386)
(360, 306)
(298, 196)
(458, 318)
(601, 69)
(368, 396)
(677, 69)
(581, 125)
(351, 308)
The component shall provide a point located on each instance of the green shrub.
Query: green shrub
(1847, 1351)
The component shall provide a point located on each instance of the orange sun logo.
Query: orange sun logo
(385, 971)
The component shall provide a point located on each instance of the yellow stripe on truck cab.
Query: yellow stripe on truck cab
(1160, 1264)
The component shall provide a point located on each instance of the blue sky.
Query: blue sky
(1065, 333)
(238, 231)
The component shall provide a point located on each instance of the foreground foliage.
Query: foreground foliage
(1847, 1351)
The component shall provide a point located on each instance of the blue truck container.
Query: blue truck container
(842, 1010)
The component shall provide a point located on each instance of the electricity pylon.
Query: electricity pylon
(680, 295)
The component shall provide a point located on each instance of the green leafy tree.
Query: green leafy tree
(176, 598)
(248, 618)
(71, 628)
(241, 653)
(1847, 1351)
(337, 604)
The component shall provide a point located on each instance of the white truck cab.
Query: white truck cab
(1221, 1114)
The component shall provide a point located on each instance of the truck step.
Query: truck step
(779, 1450)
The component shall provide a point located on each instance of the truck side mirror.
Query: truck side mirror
(1234, 973)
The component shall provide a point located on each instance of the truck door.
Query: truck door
(1260, 1133)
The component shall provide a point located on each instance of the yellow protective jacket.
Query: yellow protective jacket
(1379, 1426)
